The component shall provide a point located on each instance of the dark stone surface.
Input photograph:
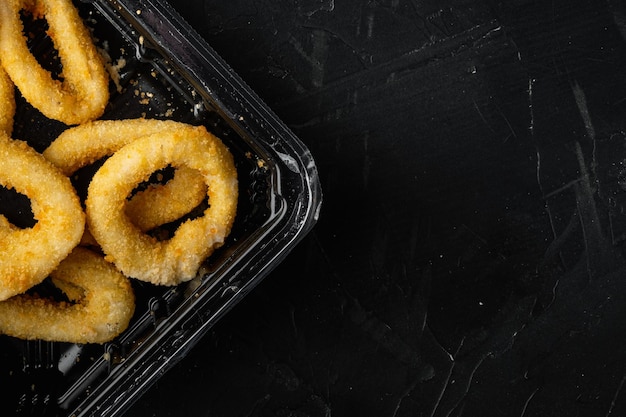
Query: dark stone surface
(469, 259)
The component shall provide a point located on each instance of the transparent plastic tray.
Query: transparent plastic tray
(166, 71)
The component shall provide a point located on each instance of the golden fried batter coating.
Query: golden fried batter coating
(83, 94)
(28, 255)
(137, 254)
(101, 304)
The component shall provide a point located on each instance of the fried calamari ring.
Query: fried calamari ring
(137, 254)
(83, 145)
(7, 102)
(83, 93)
(101, 304)
(27, 256)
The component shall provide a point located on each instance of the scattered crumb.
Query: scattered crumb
(112, 68)
(115, 72)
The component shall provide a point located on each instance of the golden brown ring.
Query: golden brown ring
(101, 304)
(84, 92)
(28, 255)
(137, 254)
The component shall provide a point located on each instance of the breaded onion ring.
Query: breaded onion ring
(83, 145)
(101, 304)
(7, 102)
(27, 256)
(84, 91)
(137, 254)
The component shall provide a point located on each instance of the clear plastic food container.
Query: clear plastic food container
(162, 69)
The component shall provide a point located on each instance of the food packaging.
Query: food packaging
(162, 69)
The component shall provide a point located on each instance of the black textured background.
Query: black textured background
(469, 259)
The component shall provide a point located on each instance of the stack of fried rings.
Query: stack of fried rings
(200, 159)
(100, 301)
(147, 209)
(194, 152)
